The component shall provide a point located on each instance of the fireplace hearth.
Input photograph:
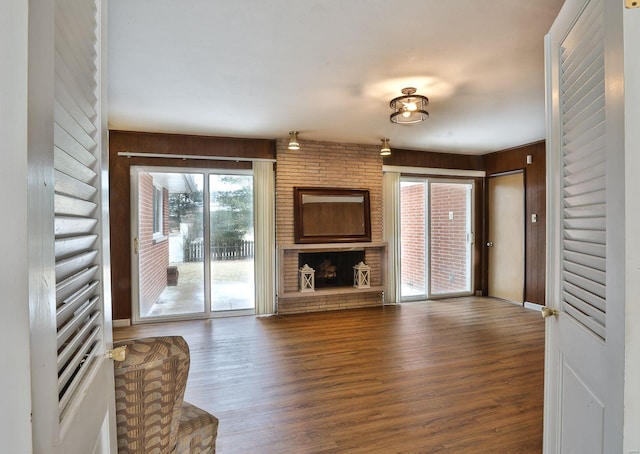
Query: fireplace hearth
(332, 269)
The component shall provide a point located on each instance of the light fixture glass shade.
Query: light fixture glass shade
(385, 149)
(293, 140)
(409, 108)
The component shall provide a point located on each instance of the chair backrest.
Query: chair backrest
(150, 386)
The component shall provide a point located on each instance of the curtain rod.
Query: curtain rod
(184, 157)
(435, 171)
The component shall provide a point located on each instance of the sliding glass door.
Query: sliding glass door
(231, 237)
(436, 237)
(191, 258)
(450, 237)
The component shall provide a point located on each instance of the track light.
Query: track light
(385, 149)
(293, 140)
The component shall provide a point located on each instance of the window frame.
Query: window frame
(158, 213)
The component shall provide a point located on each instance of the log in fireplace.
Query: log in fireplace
(332, 269)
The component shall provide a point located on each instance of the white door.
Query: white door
(585, 274)
(73, 405)
(505, 244)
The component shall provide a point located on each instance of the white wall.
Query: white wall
(15, 378)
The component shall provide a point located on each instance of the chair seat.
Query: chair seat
(197, 431)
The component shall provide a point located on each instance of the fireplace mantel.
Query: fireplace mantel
(331, 246)
(285, 289)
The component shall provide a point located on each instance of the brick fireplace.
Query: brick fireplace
(330, 165)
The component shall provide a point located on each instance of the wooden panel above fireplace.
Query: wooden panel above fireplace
(331, 215)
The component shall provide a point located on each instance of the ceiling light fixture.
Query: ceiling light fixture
(385, 149)
(409, 108)
(293, 140)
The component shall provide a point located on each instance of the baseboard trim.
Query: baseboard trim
(532, 306)
(121, 323)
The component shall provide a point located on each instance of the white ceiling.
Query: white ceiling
(328, 68)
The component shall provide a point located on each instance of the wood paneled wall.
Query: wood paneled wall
(509, 160)
(535, 203)
(493, 163)
(412, 158)
(119, 186)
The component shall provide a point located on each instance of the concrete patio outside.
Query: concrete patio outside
(232, 288)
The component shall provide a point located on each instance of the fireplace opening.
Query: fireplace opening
(332, 269)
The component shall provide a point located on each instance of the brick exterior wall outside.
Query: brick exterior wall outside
(448, 238)
(331, 165)
(153, 256)
(412, 228)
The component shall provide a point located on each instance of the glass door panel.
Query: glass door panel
(169, 243)
(413, 265)
(231, 242)
(449, 238)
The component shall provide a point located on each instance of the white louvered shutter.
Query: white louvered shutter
(77, 226)
(582, 98)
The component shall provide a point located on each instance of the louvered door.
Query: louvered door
(583, 395)
(77, 419)
(76, 205)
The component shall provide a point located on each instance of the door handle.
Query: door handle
(489, 243)
(548, 312)
(118, 353)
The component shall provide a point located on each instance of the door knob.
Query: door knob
(118, 353)
(490, 244)
(548, 312)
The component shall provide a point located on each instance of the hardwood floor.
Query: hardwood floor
(457, 376)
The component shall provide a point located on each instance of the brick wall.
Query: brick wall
(153, 256)
(326, 164)
(448, 238)
(412, 227)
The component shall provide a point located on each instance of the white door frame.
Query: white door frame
(427, 239)
(630, 40)
(15, 413)
(469, 240)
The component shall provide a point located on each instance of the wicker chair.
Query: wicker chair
(151, 415)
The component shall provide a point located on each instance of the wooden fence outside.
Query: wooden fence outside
(194, 251)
